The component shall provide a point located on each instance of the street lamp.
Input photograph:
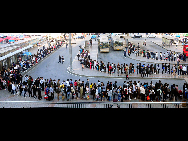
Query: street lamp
(70, 52)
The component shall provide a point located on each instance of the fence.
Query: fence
(33, 104)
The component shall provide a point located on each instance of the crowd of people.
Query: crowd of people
(168, 55)
(139, 68)
(13, 81)
(13, 74)
(98, 91)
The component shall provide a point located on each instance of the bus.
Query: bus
(185, 49)
(118, 43)
(104, 44)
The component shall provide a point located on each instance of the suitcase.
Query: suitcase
(115, 100)
(184, 104)
(63, 97)
(45, 97)
(49, 98)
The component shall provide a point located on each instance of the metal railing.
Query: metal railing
(33, 104)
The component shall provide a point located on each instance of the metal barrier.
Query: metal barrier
(33, 104)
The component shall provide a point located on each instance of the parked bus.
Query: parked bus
(118, 43)
(185, 49)
(104, 44)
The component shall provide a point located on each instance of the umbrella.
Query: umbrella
(1, 39)
(27, 53)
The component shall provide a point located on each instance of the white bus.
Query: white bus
(104, 44)
(118, 43)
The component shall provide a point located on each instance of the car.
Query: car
(78, 37)
(93, 36)
(137, 36)
(151, 36)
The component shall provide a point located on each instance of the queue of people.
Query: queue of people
(13, 74)
(77, 89)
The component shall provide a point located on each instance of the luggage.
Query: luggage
(74, 96)
(50, 98)
(45, 97)
(63, 96)
(184, 104)
(115, 100)
(148, 98)
(87, 96)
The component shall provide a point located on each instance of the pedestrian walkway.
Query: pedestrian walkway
(154, 48)
(179, 48)
(93, 55)
(94, 50)
(154, 61)
(87, 72)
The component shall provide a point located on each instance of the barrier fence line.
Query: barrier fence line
(30, 104)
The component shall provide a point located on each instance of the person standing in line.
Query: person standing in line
(58, 91)
(34, 91)
(87, 91)
(81, 91)
(39, 93)
(52, 92)
(93, 92)
(142, 92)
(175, 56)
(137, 67)
(119, 94)
(134, 91)
(13, 88)
(159, 92)
(114, 69)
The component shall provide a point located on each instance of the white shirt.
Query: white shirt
(134, 88)
(87, 90)
(184, 68)
(67, 83)
(51, 90)
(138, 85)
(142, 90)
(13, 87)
(96, 92)
(26, 78)
(110, 93)
(94, 63)
(41, 81)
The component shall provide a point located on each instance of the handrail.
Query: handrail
(91, 102)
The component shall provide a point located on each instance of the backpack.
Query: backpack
(71, 84)
(75, 84)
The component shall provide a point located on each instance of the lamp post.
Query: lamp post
(70, 52)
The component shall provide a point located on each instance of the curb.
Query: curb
(163, 47)
(172, 62)
(139, 77)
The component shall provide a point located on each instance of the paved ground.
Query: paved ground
(50, 68)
